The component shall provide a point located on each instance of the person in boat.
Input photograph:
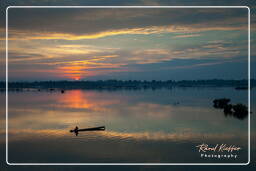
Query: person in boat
(76, 130)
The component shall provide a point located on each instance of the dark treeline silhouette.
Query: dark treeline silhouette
(129, 84)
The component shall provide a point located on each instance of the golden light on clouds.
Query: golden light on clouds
(94, 49)
(140, 30)
(77, 70)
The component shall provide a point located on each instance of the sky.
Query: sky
(127, 44)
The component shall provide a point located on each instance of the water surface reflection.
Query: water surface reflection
(142, 126)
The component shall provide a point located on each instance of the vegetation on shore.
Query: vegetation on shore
(128, 84)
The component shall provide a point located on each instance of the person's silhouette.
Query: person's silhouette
(76, 130)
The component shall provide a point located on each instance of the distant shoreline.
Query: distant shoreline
(127, 85)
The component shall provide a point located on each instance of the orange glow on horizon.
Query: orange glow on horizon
(77, 78)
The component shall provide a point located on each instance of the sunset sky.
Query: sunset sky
(141, 44)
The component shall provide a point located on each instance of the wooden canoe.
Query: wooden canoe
(100, 128)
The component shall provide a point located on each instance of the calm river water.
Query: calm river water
(142, 126)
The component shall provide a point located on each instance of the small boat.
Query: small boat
(76, 130)
(242, 88)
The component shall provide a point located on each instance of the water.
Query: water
(142, 126)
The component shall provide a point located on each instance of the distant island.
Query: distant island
(127, 84)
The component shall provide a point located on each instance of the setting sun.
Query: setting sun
(77, 78)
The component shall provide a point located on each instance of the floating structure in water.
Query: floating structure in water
(242, 88)
(220, 103)
(239, 110)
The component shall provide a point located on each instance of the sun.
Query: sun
(77, 78)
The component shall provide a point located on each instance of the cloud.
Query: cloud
(78, 61)
(92, 42)
(14, 35)
(77, 24)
